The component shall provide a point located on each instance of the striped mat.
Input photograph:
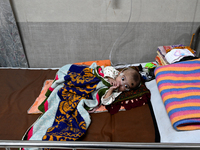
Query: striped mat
(179, 86)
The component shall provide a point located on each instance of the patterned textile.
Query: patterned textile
(130, 99)
(162, 51)
(68, 124)
(65, 116)
(179, 86)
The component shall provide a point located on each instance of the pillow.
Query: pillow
(34, 108)
(130, 99)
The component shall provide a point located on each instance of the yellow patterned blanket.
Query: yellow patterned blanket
(65, 117)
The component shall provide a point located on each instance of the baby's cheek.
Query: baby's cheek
(121, 88)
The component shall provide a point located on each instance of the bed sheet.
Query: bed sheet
(19, 89)
(167, 133)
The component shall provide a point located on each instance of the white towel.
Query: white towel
(177, 54)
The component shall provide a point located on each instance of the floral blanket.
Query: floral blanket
(65, 117)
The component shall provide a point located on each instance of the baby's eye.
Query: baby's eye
(126, 86)
(122, 79)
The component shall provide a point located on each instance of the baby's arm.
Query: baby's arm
(114, 86)
(110, 95)
(109, 74)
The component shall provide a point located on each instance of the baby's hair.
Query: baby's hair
(135, 75)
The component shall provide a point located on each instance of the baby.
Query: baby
(125, 80)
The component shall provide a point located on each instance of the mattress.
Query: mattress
(20, 88)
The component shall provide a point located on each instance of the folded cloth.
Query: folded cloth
(163, 50)
(177, 54)
(167, 54)
(179, 86)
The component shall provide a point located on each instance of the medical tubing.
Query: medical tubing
(110, 56)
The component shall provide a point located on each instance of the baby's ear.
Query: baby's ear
(139, 68)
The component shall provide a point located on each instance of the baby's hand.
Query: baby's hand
(114, 86)
(114, 83)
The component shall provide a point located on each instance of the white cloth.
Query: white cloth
(111, 72)
(110, 99)
(177, 54)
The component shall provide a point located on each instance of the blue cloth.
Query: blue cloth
(69, 124)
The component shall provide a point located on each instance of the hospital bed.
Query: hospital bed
(143, 127)
(21, 86)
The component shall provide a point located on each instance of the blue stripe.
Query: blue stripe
(179, 89)
(177, 81)
(178, 72)
(190, 62)
(183, 62)
(183, 109)
(181, 99)
(186, 122)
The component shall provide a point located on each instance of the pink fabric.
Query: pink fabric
(98, 99)
(56, 77)
(51, 89)
(100, 72)
(30, 133)
(46, 106)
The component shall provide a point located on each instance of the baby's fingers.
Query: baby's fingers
(115, 86)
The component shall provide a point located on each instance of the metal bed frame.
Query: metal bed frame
(8, 144)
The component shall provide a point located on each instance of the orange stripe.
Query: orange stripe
(177, 87)
(178, 118)
(188, 127)
(179, 95)
(181, 105)
(189, 78)
(168, 68)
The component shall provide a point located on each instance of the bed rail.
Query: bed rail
(195, 41)
(7, 144)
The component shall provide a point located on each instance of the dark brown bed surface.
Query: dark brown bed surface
(20, 88)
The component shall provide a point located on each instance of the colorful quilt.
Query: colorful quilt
(179, 86)
(65, 117)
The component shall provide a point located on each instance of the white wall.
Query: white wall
(107, 10)
(56, 32)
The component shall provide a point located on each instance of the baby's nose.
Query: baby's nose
(120, 83)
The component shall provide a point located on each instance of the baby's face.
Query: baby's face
(126, 81)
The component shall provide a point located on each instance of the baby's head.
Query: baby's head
(128, 78)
